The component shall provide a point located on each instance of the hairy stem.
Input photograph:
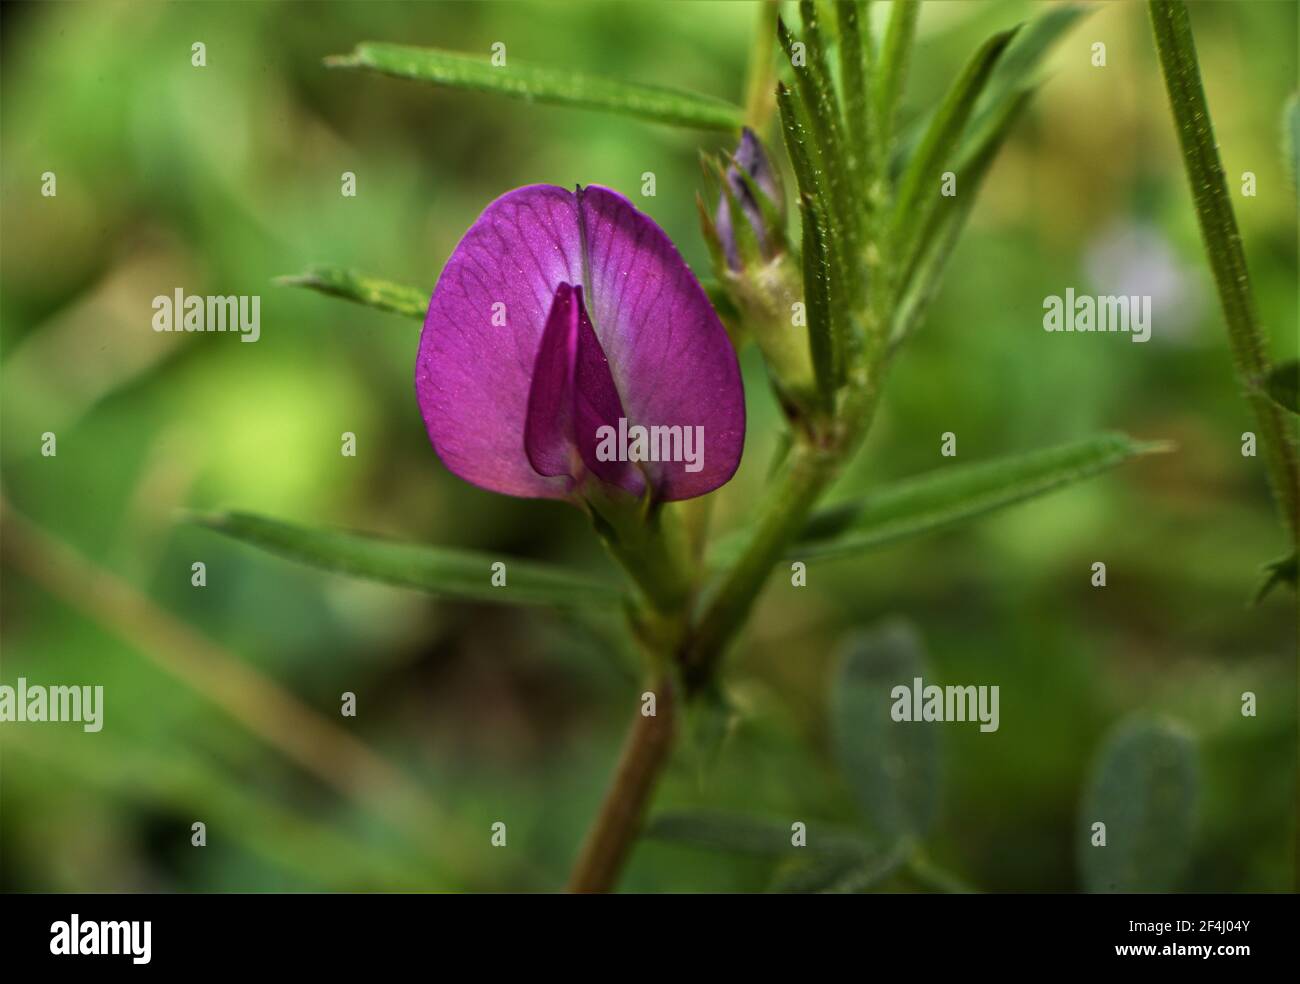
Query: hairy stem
(1177, 50)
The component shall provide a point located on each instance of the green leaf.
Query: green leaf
(918, 191)
(1222, 240)
(441, 571)
(895, 53)
(816, 286)
(351, 285)
(1016, 71)
(855, 44)
(738, 833)
(1144, 789)
(943, 226)
(1283, 385)
(818, 93)
(538, 84)
(891, 766)
(950, 495)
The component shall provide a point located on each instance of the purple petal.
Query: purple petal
(651, 339)
(548, 428)
(671, 358)
(595, 405)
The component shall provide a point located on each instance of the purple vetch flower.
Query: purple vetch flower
(751, 156)
(566, 326)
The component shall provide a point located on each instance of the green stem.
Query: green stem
(651, 546)
(810, 469)
(1177, 51)
(645, 752)
(781, 517)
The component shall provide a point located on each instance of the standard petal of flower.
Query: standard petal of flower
(671, 360)
(668, 356)
(482, 334)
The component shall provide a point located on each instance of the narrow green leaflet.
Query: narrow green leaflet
(411, 302)
(924, 270)
(895, 53)
(1144, 791)
(892, 767)
(448, 573)
(855, 42)
(918, 191)
(1018, 68)
(535, 83)
(1005, 95)
(959, 492)
(738, 833)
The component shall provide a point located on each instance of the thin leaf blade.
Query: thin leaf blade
(361, 288)
(918, 188)
(440, 571)
(535, 83)
(946, 496)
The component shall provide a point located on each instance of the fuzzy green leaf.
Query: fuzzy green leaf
(1144, 789)
(410, 302)
(950, 495)
(535, 83)
(855, 44)
(891, 766)
(817, 296)
(441, 571)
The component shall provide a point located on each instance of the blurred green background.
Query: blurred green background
(218, 179)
